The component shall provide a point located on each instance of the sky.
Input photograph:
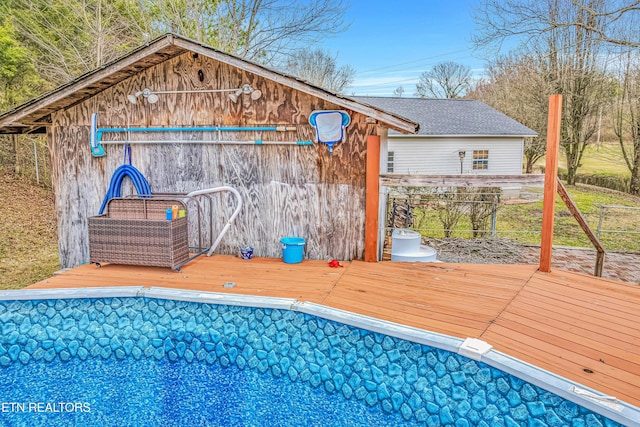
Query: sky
(391, 42)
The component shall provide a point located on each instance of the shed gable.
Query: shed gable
(287, 189)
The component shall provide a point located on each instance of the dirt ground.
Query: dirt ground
(620, 266)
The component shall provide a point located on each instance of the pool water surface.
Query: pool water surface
(148, 392)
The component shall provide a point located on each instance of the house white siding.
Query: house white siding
(439, 155)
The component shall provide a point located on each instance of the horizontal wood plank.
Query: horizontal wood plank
(553, 359)
(464, 180)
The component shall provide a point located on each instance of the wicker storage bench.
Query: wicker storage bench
(136, 232)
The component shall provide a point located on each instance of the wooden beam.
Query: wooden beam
(25, 128)
(562, 192)
(530, 180)
(551, 174)
(372, 196)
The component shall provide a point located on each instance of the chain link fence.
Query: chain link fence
(618, 224)
(445, 211)
(26, 156)
(470, 214)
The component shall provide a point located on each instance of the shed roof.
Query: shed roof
(440, 117)
(33, 116)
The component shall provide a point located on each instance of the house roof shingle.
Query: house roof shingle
(442, 117)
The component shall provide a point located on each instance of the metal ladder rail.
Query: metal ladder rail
(208, 192)
(194, 197)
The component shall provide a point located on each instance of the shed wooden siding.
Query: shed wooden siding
(287, 190)
(439, 155)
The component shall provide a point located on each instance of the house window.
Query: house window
(390, 161)
(480, 159)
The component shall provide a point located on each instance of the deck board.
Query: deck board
(622, 303)
(560, 321)
(554, 359)
(588, 307)
(567, 322)
(572, 329)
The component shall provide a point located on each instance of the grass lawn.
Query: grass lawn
(606, 160)
(28, 237)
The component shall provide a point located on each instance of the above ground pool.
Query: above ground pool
(150, 357)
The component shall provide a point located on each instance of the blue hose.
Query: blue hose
(139, 181)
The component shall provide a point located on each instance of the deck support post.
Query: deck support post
(550, 185)
(372, 199)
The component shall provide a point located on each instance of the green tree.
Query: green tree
(71, 37)
(19, 79)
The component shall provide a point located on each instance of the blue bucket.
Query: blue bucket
(292, 249)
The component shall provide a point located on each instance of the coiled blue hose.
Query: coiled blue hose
(140, 183)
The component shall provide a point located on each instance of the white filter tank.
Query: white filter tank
(406, 247)
(404, 241)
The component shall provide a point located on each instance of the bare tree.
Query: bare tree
(517, 87)
(71, 37)
(568, 36)
(189, 18)
(627, 119)
(483, 203)
(398, 91)
(445, 80)
(320, 68)
(260, 30)
(450, 208)
(606, 21)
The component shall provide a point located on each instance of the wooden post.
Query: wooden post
(16, 150)
(372, 196)
(550, 186)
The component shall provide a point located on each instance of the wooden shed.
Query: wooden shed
(288, 188)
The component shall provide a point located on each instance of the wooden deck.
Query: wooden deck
(577, 326)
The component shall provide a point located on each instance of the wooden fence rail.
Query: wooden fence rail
(528, 180)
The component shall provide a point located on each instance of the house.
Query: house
(202, 118)
(455, 136)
